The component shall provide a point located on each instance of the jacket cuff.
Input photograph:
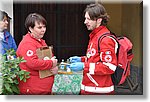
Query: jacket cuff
(83, 59)
(86, 67)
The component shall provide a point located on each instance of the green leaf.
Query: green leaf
(7, 87)
(16, 82)
(27, 76)
(24, 80)
(21, 77)
(15, 89)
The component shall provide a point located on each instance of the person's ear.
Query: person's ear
(99, 20)
(30, 29)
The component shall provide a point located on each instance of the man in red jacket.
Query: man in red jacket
(36, 26)
(97, 67)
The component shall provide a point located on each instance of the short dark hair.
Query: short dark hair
(3, 14)
(96, 11)
(32, 18)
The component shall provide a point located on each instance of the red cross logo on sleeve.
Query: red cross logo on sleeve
(108, 58)
(29, 53)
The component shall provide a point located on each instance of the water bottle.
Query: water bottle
(62, 66)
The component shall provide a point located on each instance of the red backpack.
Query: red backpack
(124, 57)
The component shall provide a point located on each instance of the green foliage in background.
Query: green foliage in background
(11, 73)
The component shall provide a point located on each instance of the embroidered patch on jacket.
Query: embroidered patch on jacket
(107, 52)
(91, 52)
(46, 58)
(29, 53)
(108, 58)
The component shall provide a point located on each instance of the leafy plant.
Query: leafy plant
(11, 73)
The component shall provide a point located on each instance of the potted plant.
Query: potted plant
(11, 73)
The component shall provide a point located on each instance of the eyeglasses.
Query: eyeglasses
(5, 20)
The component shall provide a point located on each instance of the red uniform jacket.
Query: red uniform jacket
(99, 67)
(34, 85)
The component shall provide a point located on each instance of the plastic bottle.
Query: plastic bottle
(62, 66)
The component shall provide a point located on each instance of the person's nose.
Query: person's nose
(6, 21)
(43, 29)
(85, 21)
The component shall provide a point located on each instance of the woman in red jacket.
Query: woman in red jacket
(36, 26)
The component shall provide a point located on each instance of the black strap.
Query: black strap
(108, 34)
(100, 38)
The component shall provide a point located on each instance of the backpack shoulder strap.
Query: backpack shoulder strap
(101, 37)
(111, 35)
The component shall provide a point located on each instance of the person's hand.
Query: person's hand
(75, 59)
(54, 70)
(54, 61)
(78, 66)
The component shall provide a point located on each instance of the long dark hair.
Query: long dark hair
(96, 11)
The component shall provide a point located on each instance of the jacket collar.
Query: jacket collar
(98, 31)
(6, 34)
(39, 40)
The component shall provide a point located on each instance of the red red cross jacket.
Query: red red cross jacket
(97, 74)
(34, 85)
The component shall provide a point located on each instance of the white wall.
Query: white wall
(7, 6)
